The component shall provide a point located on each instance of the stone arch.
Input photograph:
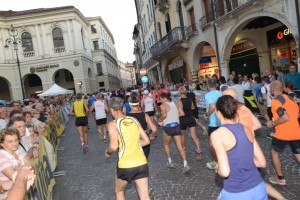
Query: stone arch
(5, 89)
(237, 28)
(32, 85)
(64, 78)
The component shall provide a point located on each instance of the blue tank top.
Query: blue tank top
(243, 172)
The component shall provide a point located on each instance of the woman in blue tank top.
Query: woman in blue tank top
(238, 154)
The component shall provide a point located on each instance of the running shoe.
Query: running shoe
(204, 130)
(186, 169)
(212, 165)
(275, 180)
(170, 165)
(100, 136)
(152, 136)
(151, 192)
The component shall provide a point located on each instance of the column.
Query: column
(39, 50)
(46, 47)
(70, 38)
(224, 69)
(159, 74)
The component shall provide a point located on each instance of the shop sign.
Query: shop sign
(206, 59)
(174, 65)
(242, 46)
(283, 33)
(45, 67)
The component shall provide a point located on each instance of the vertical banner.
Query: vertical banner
(44, 181)
(59, 125)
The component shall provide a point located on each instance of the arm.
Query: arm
(259, 158)
(72, 110)
(211, 109)
(275, 106)
(180, 108)
(142, 105)
(163, 110)
(86, 109)
(144, 137)
(223, 168)
(92, 107)
(113, 135)
(151, 124)
(9, 172)
(192, 105)
(255, 123)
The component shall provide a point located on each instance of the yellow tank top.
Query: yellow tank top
(130, 151)
(79, 109)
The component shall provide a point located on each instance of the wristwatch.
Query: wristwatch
(273, 124)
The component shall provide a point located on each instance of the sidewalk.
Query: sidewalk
(90, 176)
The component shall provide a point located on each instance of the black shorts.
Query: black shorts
(172, 131)
(81, 121)
(101, 121)
(151, 113)
(279, 145)
(187, 121)
(131, 174)
(211, 129)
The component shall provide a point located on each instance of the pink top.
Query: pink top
(8, 160)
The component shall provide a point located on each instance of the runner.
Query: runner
(170, 120)
(126, 137)
(210, 100)
(238, 155)
(185, 106)
(287, 130)
(80, 110)
(148, 105)
(101, 108)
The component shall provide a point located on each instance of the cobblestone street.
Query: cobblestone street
(90, 176)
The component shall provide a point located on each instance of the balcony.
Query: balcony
(222, 9)
(28, 54)
(163, 5)
(59, 49)
(146, 57)
(192, 30)
(175, 36)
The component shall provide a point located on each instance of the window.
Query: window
(99, 69)
(93, 29)
(58, 39)
(27, 41)
(101, 84)
(96, 45)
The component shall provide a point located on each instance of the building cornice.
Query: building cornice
(104, 25)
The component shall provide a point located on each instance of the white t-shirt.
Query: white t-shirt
(3, 124)
(266, 89)
(246, 85)
(240, 92)
(148, 102)
(100, 109)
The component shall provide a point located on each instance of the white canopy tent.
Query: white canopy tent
(55, 90)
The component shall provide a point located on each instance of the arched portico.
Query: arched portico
(5, 89)
(64, 78)
(32, 85)
(259, 37)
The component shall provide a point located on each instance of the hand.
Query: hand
(26, 174)
(269, 124)
(205, 116)
(160, 123)
(106, 154)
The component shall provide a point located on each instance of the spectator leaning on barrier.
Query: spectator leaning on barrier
(3, 118)
(293, 76)
(280, 74)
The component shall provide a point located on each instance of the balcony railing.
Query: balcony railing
(59, 49)
(176, 35)
(28, 54)
(146, 56)
(163, 5)
(192, 30)
(222, 8)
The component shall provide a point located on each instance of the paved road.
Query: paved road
(90, 176)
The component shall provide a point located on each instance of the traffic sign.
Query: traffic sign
(79, 83)
(144, 79)
(143, 72)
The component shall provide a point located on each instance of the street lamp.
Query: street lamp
(15, 43)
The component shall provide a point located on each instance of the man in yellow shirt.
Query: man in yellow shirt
(80, 110)
(127, 136)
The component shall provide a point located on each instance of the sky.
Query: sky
(119, 16)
